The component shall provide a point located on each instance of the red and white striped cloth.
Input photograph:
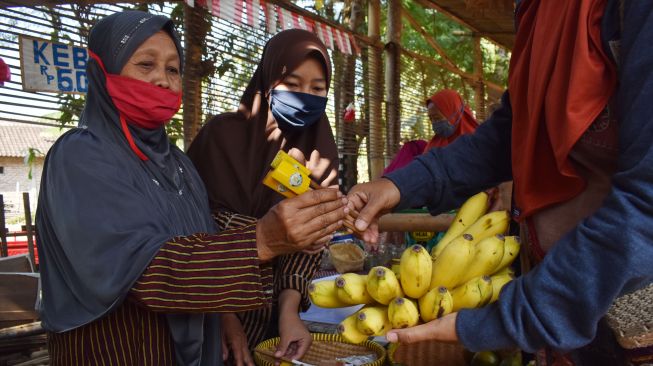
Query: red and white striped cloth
(248, 12)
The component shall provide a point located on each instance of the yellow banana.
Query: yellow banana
(382, 285)
(373, 320)
(435, 304)
(490, 224)
(472, 294)
(403, 313)
(468, 213)
(323, 294)
(348, 329)
(450, 266)
(511, 249)
(498, 281)
(415, 271)
(487, 257)
(351, 289)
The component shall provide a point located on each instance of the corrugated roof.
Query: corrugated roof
(16, 139)
(493, 19)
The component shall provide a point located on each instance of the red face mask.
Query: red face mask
(140, 103)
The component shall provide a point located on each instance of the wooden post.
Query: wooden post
(479, 86)
(4, 249)
(195, 30)
(392, 77)
(375, 135)
(29, 228)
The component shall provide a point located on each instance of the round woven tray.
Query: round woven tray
(324, 350)
(426, 354)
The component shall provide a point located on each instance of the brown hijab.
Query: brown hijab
(233, 151)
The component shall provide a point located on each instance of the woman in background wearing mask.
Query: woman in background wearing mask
(283, 108)
(450, 118)
(133, 268)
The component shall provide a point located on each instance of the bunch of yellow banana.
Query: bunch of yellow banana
(382, 285)
(403, 313)
(351, 289)
(467, 269)
(415, 269)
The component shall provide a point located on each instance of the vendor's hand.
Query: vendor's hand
(442, 330)
(235, 341)
(372, 200)
(295, 338)
(296, 223)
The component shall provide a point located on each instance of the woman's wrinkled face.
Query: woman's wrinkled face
(156, 62)
(307, 78)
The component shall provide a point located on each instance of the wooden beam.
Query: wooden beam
(375, 135)
(414, 222)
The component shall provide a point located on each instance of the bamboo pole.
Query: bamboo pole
(29, 228)
(393, 77)
(195, 30)
(375, 135)
(479, 85)
(414, 222)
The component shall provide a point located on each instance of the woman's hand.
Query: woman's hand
(234, 341)
(443, 330)
(294, 224)
(372, 200)
(295, 338)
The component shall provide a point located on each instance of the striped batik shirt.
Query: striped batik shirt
(292, 271)
(197, 273)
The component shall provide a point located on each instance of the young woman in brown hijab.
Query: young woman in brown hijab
(282, 109)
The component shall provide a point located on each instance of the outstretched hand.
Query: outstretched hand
(371, 200)
(295, 224)
(443, 330)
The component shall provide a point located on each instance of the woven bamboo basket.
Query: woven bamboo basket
(324, 351)
(347, 257)
(427, 354)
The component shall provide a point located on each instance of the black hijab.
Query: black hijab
(104, 214)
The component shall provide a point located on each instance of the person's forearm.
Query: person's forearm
(289, 300)
(200, 273)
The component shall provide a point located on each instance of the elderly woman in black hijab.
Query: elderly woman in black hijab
(133, 268)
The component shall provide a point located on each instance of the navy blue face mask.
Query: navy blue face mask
(296, 111)
(443, 128)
